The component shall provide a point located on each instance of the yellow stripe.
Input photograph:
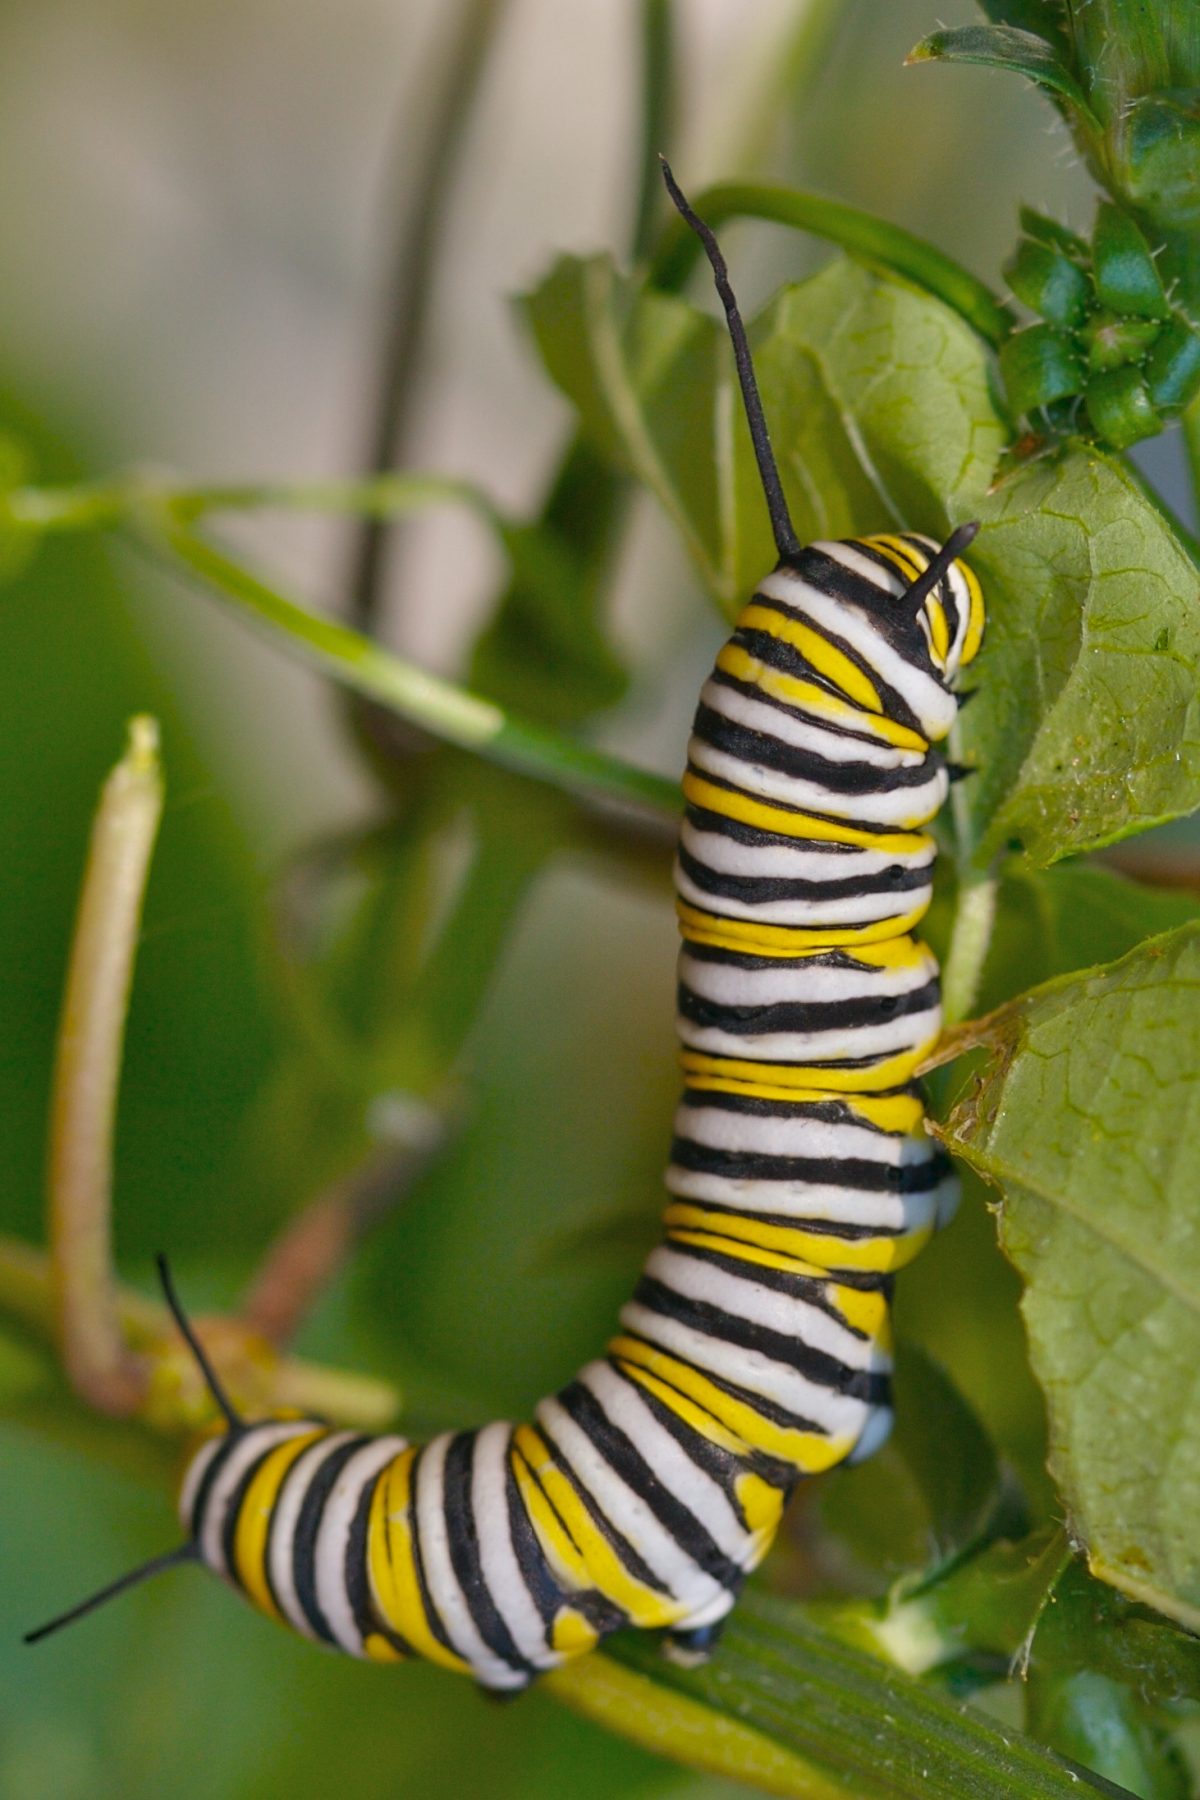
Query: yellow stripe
(793, 691)
(975, 619)
(910, 561)
(785, 940)
(811, 1246)
(593, 1561)
(900, 1114)
(731, 803)
(391, 1565)
(807, 1451)
(939, 631)
(685, 1408)
(816, 650)
(254, 1519)
(756, 1077)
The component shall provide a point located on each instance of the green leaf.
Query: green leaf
(1054, 921)
(1087, 1120)
(876, 394)
(1085, 726)
(1006, 47)
(839, 1722)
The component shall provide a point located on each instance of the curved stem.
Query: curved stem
(440, 707)
(855, 230)
(98, 1361)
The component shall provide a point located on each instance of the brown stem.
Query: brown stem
(313, 1246)
(97, 1358)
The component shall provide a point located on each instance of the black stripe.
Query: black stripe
(790, 1352)
(233, 1513)
(758, 837)
(831, 1111)
(895, 622)
(812, 1289)
(874, 827)
(806, 1015)
(208, 1480)
(601, 1613)
(618, 1543)
(861, 778)
(544, 1590)
(355, 1575)
(308, 1525)
(797, 711)
(723, 1466)
(463, 1541)
(776, 653)
(623, 1455)
(853, 1172)
(432, 1616)
(768, 1409)
(761, 890)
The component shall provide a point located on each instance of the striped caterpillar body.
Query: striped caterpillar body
(756, 1347)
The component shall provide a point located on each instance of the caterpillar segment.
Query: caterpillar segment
(756, 1347)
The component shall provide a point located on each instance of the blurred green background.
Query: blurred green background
(195, 202)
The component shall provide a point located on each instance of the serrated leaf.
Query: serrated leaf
(1010, 48)
(1088, 1121)
(1053, 921)
(877, 397)
(1086, 724)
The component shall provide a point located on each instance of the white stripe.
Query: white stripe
(904, 808)
(691, 1485)
(497, 1555)
(909, 1032)
(809, 1205)
(255, 1442)
(445, 1594)
(792, 725)
(283, 1527)
(799, 1134)
(802, 860)
(801, 979)
(333, 1537)
(820, 914)
(194, 1476)
(765, 1307)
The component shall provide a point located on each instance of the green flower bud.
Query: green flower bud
(1118, 405)
(1173, 367)
(1112, 341)
(1047, 231)
(1154, 155)
(1040, 364)
(1126, 278)
(1048, 282)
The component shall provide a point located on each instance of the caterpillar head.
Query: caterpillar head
(940, 595)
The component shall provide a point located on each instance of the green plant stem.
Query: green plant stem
(969, 940)
(658, 118)
(90, 506)
(1191, 444)
(98, 1361)
(408, 287)
(857, 231)
(840, 1722)
(27, 1297)
(447, 711)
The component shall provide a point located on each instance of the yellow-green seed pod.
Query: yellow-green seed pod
(1113, 341)
(1040, 364)
(1048, 282)
(1173, 367)
(1120, 409)
(1127, 280)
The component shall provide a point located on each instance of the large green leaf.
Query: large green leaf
(1086, 727)
(877, 396)
(1088, 1121)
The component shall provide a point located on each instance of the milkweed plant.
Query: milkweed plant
(1005, 1600)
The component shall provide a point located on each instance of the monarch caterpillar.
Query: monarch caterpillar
(755, 1349)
